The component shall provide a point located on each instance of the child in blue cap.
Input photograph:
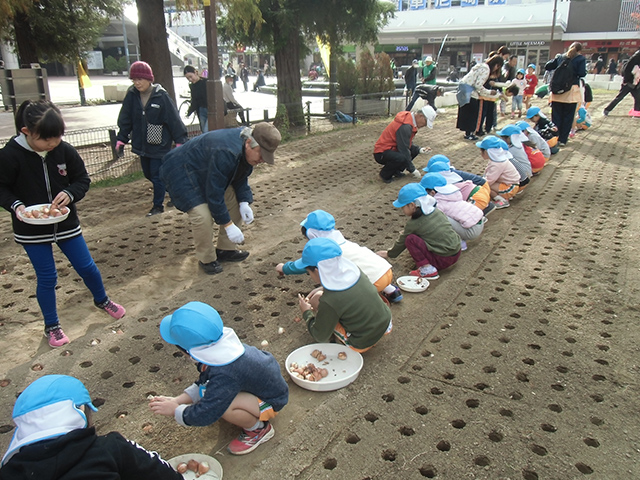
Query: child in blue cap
(545, 127)
(238, 383)
(466, 219)
(514, 138)
(321, 224)
(428, 235)
(474, 188)
(349, 306)
(502, 176)
(54, 439)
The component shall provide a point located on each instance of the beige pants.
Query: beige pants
(202, 226)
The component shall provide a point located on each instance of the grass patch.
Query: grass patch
(116, 181)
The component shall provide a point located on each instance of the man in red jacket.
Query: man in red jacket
(395, 149)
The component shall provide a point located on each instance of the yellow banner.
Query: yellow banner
(325, 53)
(85, 81)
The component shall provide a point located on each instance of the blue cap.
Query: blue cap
(522, 71)
(52, 389)
(438, 167)
(509, 130)
(432, 180)
(533, 111)
(409, 193)
(316, 250)
(532, 65)
(491, 141)
(522, 125)
(192, 325)
(319, 220)
(436, 158)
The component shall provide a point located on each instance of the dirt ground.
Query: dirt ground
(521, 362)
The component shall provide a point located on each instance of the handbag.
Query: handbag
(154, 134)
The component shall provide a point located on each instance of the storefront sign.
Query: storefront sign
(530, 43)
(497, 2)
(402, 48)
(468, 3)
(443, 3)
(607, 43)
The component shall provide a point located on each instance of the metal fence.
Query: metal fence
(97, 145)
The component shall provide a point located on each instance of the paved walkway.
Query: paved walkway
(64, 92)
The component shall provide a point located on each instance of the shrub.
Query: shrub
(371, 75)
(123, 65)
(110, 64)
(347, 77)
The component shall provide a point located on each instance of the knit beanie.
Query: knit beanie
(141, 70)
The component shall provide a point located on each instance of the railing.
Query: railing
(179, 47)
(96, 146)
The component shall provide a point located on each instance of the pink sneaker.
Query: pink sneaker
(55, 336)
(426, 271)
(634, 113)
(248, 440)
(112, 308)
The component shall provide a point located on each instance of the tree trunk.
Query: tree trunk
(287, 57)
(154, 49)
(26, 47)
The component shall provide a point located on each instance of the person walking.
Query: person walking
(198, 88)
(208, 179)
(150, 119)
(244, 76)
(564, 105)
(630, 85)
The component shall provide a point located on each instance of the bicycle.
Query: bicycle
(183, 109)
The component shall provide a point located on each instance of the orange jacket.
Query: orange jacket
(387, 140)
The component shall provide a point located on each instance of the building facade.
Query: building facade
(459, 32)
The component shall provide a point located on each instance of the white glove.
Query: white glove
(234, 233)
(416, 173)
(425, 149)
(246, 212)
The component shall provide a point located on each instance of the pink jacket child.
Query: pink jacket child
(466, 219)
(502, 176)
(474, 188)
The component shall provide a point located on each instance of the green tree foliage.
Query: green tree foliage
(348, 76)
(281, 26)
(55, 29)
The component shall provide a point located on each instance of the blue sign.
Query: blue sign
(443, 3)
(468, 3)
(497, 2)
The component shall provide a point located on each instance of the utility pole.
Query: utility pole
(215, 105)
(553, 26)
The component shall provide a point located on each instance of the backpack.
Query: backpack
(563, 77)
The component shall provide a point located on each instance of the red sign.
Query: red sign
(607, 43)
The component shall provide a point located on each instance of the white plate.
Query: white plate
(43, 221)
(214, 473)
(412, 284)
(341, 372)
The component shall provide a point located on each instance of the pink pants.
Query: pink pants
(422, 256)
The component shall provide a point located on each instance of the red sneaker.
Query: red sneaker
(249, 440)
(426, 271)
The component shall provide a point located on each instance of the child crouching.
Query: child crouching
(428, 235)
(238, 382)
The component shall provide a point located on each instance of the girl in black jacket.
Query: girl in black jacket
(36, 167)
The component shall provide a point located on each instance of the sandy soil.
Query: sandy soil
(519, 363)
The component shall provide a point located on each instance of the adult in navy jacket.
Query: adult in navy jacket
(150, 119)
(208, 179)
